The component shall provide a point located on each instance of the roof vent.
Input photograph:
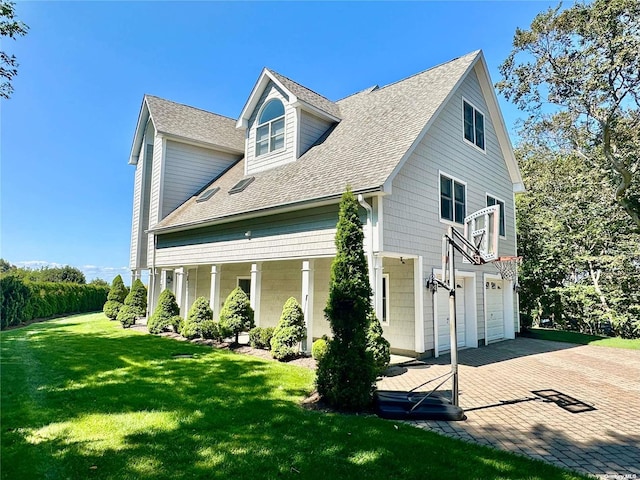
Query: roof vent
(241, 185)
(207, 194)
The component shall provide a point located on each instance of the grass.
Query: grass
(583, 339)
(82, 398)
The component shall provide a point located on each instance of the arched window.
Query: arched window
(270, 132)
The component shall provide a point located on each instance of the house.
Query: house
(253, 201)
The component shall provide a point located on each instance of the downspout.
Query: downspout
(372, 278)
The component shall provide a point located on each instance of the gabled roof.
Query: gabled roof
(379, 128)
(298, 96)
(188, 123)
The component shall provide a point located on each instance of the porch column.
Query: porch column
(179, 284)
(307, 302)
(154, 290)
(214, 295)
(133, 277)
(419, 292)
(377, 286)
(256, 287)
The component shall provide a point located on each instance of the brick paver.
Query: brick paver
(496, 391)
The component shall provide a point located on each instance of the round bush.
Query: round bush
(127, 315)
(378, 345)
(210, 330)
(236, 315)
(111, 309)
(319, 348)
(289, 332)
(260, 337)
(176, 322)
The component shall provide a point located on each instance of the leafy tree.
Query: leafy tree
(115, 298)
(346, 373)
(289, 332)
(379, 346)
(135, 305)
(236, 315)
(199, 314)
(6, 266)
(100, 282)
(12, 28)
(163, 316)
(581, 253)
(577, 73)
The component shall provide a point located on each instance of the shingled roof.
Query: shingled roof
(309, 96)
(378, 127)
(192, 123)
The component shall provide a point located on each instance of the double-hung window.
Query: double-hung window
(473, 125)
(270, 131)
(494, 201)
(453, 199)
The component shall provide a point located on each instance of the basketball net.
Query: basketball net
(507, 266)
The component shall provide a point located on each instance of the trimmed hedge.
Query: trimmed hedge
(22, 300)
(260, 337)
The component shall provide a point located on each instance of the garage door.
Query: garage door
(495, 309)
(444, 339)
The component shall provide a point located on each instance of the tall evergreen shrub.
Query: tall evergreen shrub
(199, 314)
(346, 373)
(135, 305)
(236, 315)
(289, 332)
(163, 316)
(115, 299)
(378, 345)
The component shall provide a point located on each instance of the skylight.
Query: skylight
(241, 185)
(207, 194)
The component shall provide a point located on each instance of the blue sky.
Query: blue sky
(66, 188)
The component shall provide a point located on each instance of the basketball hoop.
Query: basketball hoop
(507, 266)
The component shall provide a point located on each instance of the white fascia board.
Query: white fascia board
(198, 143)
(388, 182)
(141, 126)
(315, 110)
(498, 122)
(254, 97)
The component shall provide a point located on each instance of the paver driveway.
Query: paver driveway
(598, 435)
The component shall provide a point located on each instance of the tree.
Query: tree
(199, 314)
(66, 274)
(12, 28)
(346, 373)
(581, 254)
(6, 266)
(135, 305)
(164, 315)
(236, 315)
(115, 298)
(577, 73)
(289, 332)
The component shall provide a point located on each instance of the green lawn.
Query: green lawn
(582, 339)
(82, 398)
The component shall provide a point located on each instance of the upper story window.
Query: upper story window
(473, 125)
(494, 201)
(270, 132)
(453, 199)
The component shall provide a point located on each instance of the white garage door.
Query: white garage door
(495, 309)
(444, 339)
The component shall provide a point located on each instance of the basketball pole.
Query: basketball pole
(453, 331)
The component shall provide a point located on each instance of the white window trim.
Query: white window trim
(385, 277)
(258, 125)
(504, 207)
(483, 150)
(244, 277)
(453, 223)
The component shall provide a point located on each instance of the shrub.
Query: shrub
(176, 322)
(111, 309)
(127, 316)
(319, 348)
(289, 332)
(162, 318)
(199, 313)
(210, 330)
(14, 298)
(260, 337)
(346, 373)
(236, 315)
(378, 345)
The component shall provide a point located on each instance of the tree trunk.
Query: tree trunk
(595, 278)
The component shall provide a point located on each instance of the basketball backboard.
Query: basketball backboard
(481, 229)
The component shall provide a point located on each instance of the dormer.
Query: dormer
(282, 120)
